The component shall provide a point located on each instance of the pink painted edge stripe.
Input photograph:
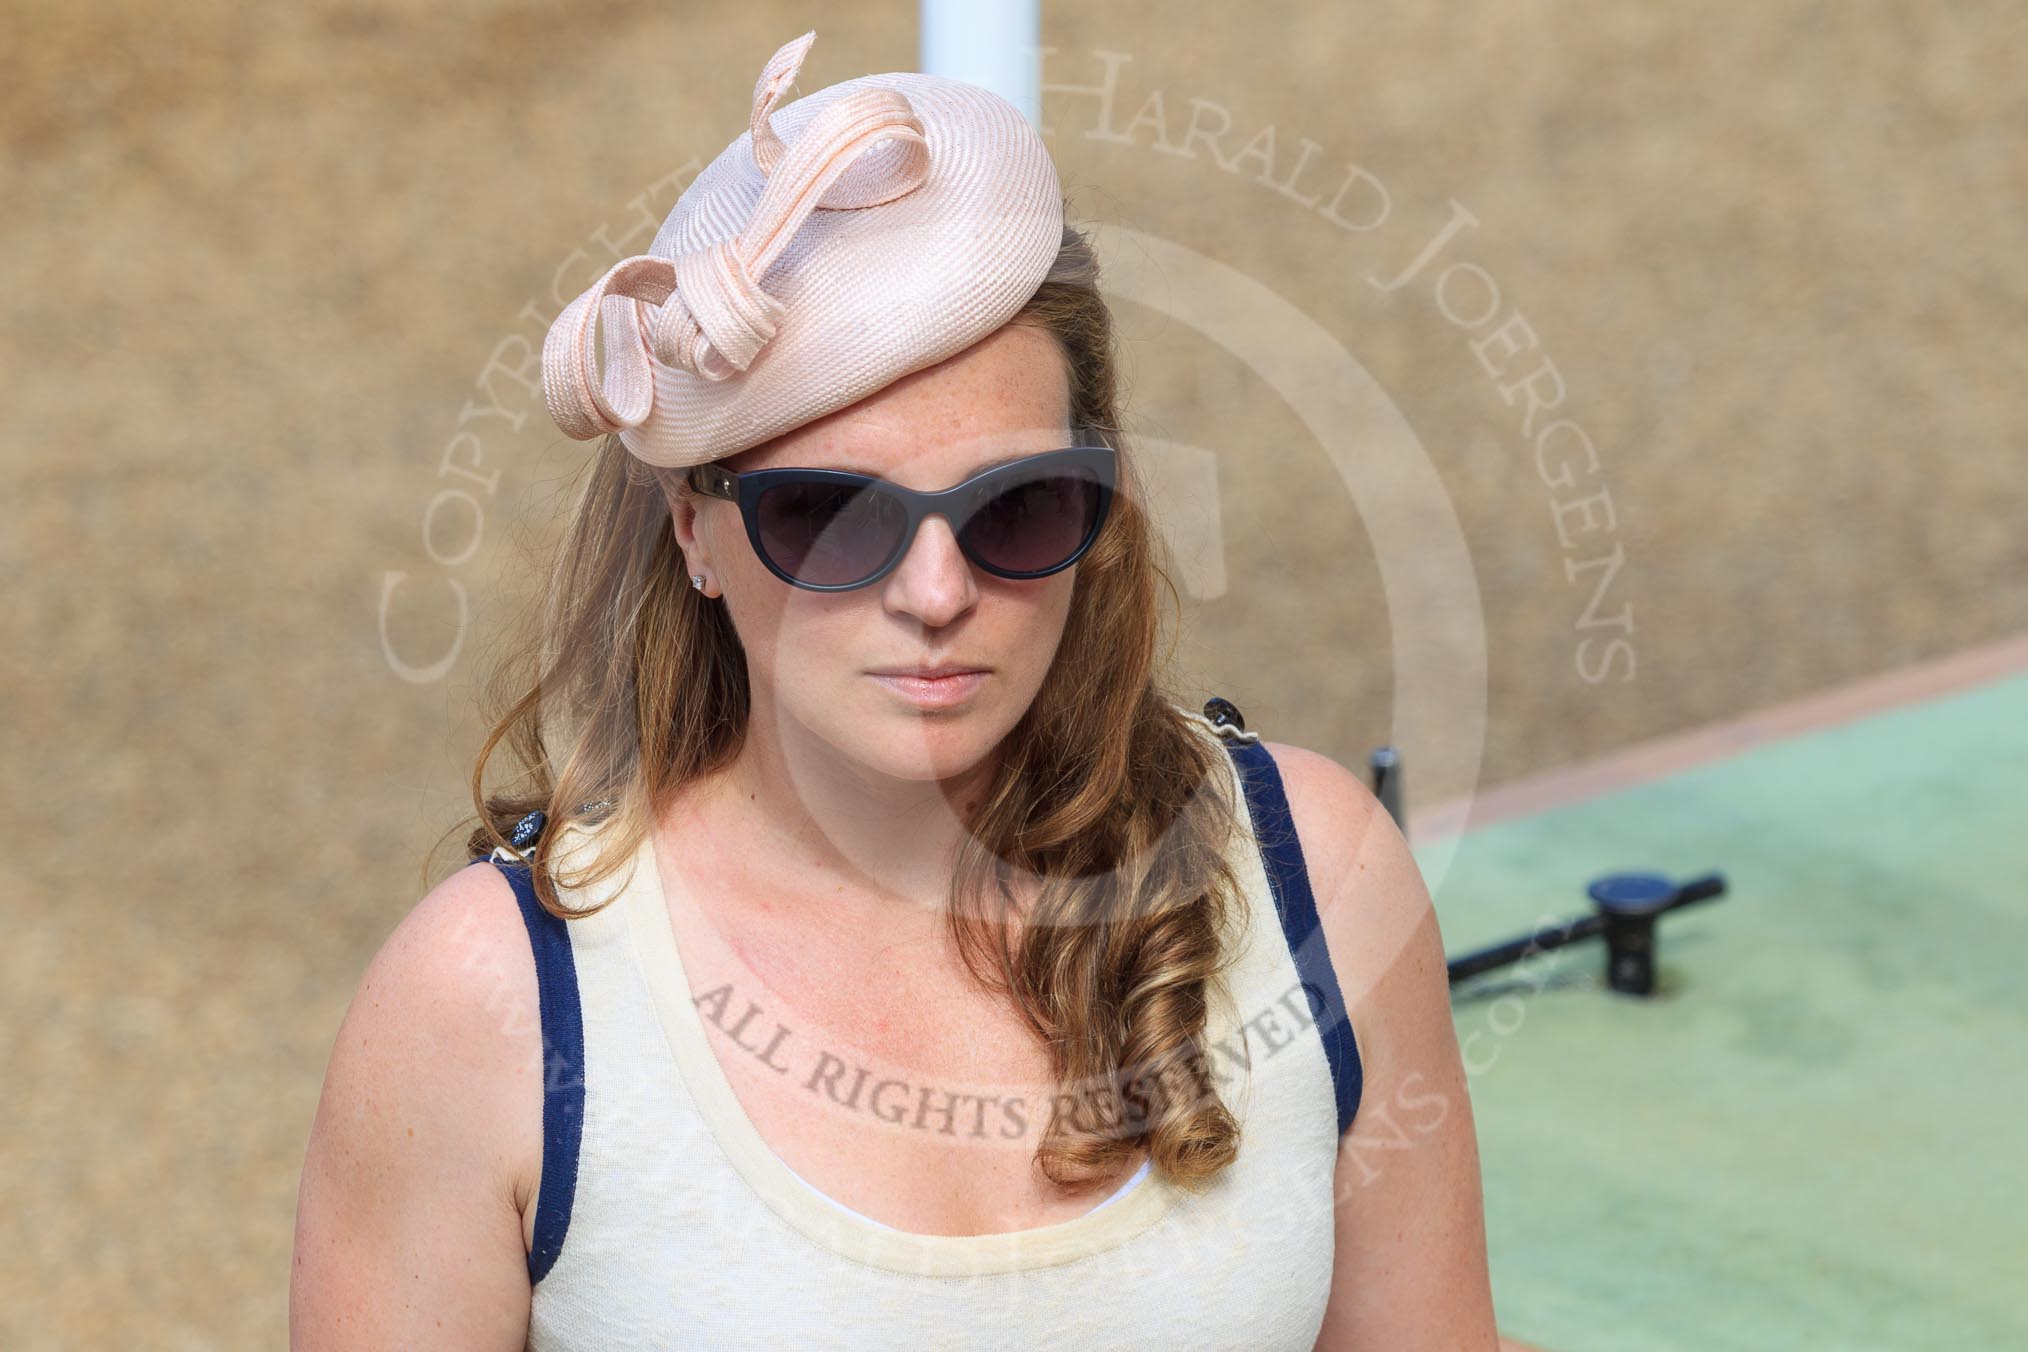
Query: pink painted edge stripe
(1668, 755)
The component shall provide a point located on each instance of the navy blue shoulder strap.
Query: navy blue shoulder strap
(1274, 826)
(562, 1053)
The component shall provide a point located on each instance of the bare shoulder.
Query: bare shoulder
(1380, 926)
(408, 1211)
(456, 981)
(1409, 1262)
(1370, 893)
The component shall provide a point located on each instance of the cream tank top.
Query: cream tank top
(663, 1220)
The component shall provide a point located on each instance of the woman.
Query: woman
(877, 951)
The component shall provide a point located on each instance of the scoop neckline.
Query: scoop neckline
(814, 1213)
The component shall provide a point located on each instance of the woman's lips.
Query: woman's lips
(927, 692)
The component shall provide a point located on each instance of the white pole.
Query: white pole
(994, 43)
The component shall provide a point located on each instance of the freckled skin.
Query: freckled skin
(807, 652)
(816, 866)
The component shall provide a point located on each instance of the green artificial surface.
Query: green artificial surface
(1811, 1136)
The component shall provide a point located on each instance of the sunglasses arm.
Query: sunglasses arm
(715, 481)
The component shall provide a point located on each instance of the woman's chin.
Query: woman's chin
(908, 744)
(910, 756)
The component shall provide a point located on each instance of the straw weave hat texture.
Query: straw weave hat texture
(862, 232)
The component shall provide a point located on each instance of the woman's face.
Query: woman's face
(811, 655)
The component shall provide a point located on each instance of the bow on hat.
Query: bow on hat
(705, 311)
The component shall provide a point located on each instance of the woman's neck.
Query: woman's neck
(816, 828)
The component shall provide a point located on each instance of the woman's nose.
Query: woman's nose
(934, 578)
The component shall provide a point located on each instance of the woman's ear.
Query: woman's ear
(681, 500)
(682, 503)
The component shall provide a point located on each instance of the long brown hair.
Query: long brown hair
(1106, 793)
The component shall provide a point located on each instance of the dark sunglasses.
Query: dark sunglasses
(833, 530)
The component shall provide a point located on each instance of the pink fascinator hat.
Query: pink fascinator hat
(865, 231)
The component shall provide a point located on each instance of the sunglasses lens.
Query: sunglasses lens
(829, 534)
(1034, 524)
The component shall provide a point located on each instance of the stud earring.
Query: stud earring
(697, 581)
